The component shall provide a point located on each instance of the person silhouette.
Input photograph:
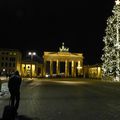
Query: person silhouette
(14, 84)
(0, 84)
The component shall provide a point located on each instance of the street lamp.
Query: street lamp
(31, 54)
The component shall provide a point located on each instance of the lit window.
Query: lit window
(14, 53)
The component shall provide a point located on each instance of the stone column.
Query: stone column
(72, 68)
(79, 68)
(25, 72)
(44, 68)
(57, 67)
(51, 67)
(98, 72)
(82, 70)
(66, 68)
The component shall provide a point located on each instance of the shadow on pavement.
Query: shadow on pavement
(23, 117)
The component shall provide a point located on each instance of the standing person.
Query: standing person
(14, 89)
(0, 84)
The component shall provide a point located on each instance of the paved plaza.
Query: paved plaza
(67, 99)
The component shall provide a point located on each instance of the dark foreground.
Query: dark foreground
(67, 100)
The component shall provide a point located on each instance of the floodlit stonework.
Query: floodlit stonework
(31, 68)
(73, 62)
(55, 64)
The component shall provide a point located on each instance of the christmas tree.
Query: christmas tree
(111, 56)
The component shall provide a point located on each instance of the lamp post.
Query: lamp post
(31, 54)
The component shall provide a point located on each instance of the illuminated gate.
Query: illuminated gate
(73, 63)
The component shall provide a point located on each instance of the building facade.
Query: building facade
(31, 69)
(10, 61)
(92, 71)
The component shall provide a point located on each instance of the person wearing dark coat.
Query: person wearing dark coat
(0, 85)
(14, 84)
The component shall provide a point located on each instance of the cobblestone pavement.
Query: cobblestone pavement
(67, 100)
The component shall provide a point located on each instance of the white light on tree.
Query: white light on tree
(117, 2)
(111, 56)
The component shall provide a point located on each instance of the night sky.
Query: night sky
(44, 25)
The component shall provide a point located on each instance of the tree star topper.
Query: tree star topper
(117, 2)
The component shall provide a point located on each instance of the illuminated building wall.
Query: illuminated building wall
(10, 61)
(92, 71)
(31, 69)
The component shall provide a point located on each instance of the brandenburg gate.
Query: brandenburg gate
(73, 62)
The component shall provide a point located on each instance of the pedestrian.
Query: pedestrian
(14, 84)
(0, 84)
